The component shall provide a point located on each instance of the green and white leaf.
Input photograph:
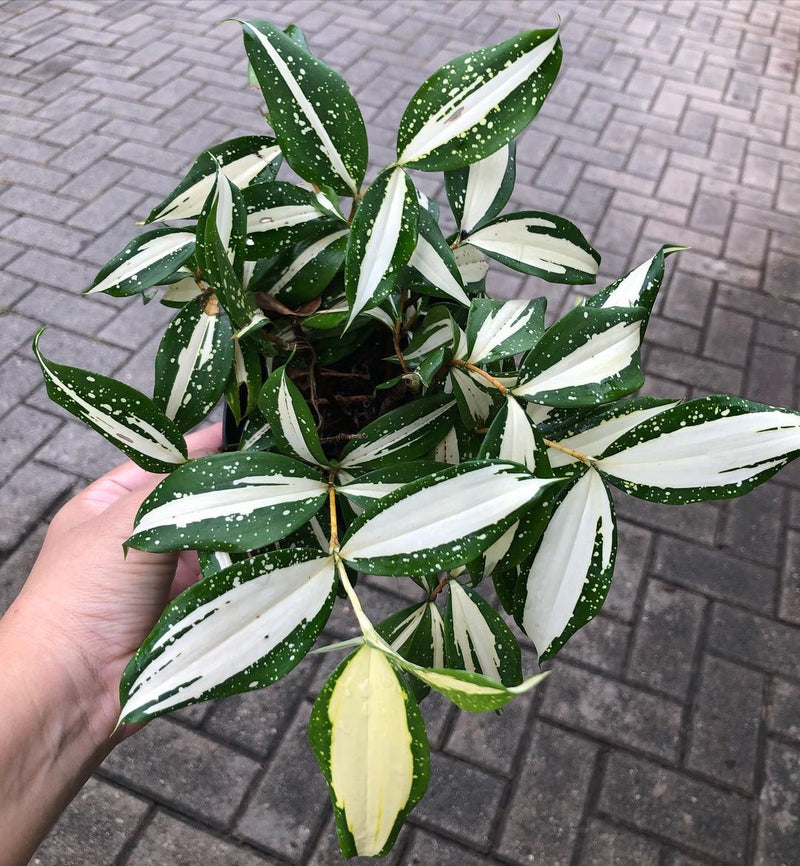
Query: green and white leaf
(193, 363)
(236, 502)
(244, 384)
(541, 244)
(316, 119)
(417, 633)
(472, 266)
(572, 567)
(369, 739)
(214, 561)
(238, 630)
(118, 412)
(256, 435)
(480, 191)
(589, 356)
(148, 260)
(475, 397)
(478, 102)
(242, 160)
(513, 436)
(433, 260)
(364, 490)
(500, 329)
(439, 331)
(382, 239)
(184, 290)
(311, 268)
(712, 448)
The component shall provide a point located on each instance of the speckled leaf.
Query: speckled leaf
(193, 363)
(713, 448)
(290, 419)
(472, 266)
(541, 244)
(439, 331)
(441, 521)
(315, 117)
(433, 261)
(313, 265)
(572, 567)
(500, 329)
(382, 239)
(369, 739)
(480, 191)
(589, 356)
(214, 561)
(478, 102)
(122, 414)
(476, 398)
(256, 434)
(241, 159)
(364, 490)
(236, 502)
(184, 289)
(148, 260)
(245, 381)
(513, 436)
(238, 630)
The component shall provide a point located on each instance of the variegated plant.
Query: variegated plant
(387, 416)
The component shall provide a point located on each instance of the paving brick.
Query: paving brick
(607, 845)
(754, 640)
(725, 723)
(678, 186)
(728, 336)
(22, 432)
(19, 377)
(753, 526)
(15, 570)
(770, 377)
(425, 848)
(27, 494)
(696, 522)
(783, 709)
(790, 580)
(779, 806)
(676, 807)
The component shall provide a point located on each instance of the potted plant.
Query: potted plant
(386, 415)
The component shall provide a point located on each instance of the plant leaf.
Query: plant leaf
(365, 489)
(500, 329)
(475, 397)
(480, 191)
(148, 260)
(245, 380)
(118, 412)
(589, 356)
(241, 160)
(382, 239)
(571, 571)
(712, 448)
(369, 739)
(236, 502)
(472, 266)
(316, 119)
(541, 244)
(478, 102)
(312, 267)
(433, 260)
(513, 436)
(238, 630)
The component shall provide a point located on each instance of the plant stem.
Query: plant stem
(333, 543)
(439, 587)
(576, 454)
(367, 628)
(398, 327)
(473, 369)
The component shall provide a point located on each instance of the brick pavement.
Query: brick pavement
(669, 732)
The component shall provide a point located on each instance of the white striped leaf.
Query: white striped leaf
(589, 356)
(478, 102)
(441, 521)
(382, 239)
(193, 363)
(475, 397)
(364, 490)
(242, 160)
(500, 329)
(237, 630)
(369, 739)
(448, 451)
(406, 433)
(118, 412)
(472, 266)
(316, 119)
(214, 561)
(433, 260)
(712, 448)
(291, 422)
(279, 215)
(438, 331)
(183, 290)
(148, 260)
(313, 265)
(478, 639)
(244, 384)
(513, 436)
(572, 567)
(541, 244)
(480, 191)
(256, 435)
(236, 502)
(592, 434)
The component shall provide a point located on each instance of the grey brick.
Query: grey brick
(709, 375)
(696, 522)
(754, 640)
(790, 579)
(678, 186)
(15, 570)
(601, 644)
(728, 336)
(36, 203)
(22, 432)
(783, 709)
(606, 845)
(19, 377)
(753, 528)
(760, 171)
(779, 805)
(770, 377)
(79, 450)
(29, 493)
(426, 848)
(633, 550)
(671, 805)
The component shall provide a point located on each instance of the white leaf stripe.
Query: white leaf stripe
(430, 264)
(306, 256)
(471, 263)
(437, 636)
(198, 351)
(596, 440)
(499, 326)
(478, 400)
(484, 180)
(226, 635)
(560, 569)
(602, 356)
(439, 334)
(305, 105)
(472, 633)
(369, 490)
(382, 242)
(290, 424)
(254, 437)
(494, 554)
(407, 627)
(282, 216)
(148, 254)
(631, 288)
(471, 103)
(518, 442)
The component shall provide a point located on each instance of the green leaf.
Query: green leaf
(472, 266)
(364, 490)
(244, 384)
(238, 630)
(478, 102)
(480, 191)
(372, 749)
(478, 639)
(713, 448)
(417, 634)
(148, 260)
(382, 239)
(501, 329)
(589, 356)
(513, 436)
(118, 412)
(439, 331)
(541, 244)
(476, 398)
(236, 502)
(242, 160)
(313, 265)
(183, 290)
(193, 363)
(256, 435)
(434, 262)
(441, 521)
(290, 419)
(214, 561)
(315, 117)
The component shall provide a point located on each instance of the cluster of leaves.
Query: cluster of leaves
(485, 447)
